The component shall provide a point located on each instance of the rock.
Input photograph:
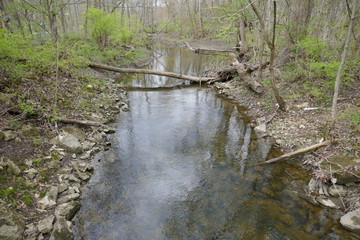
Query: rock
(109, 130)
(45, 225)
(87, 145)
(337, 190)
(13, 168)
(61, 230)
(50, 198)
(327, 202)
(2, 135)
(68, 178)
(84, 167)
(83, 176)
(351, 221)
(85, 155)
(31, 231)
(68, 198)
(261, 130)
(9, 135)
(29, 131)
(77, 132)
(70, 143)
(302, 105)
(12, 225)
(67, 210)
(346, 168)
(31, 173)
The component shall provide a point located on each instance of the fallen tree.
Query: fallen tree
(154, 72)
(198, 49)
(224, 74)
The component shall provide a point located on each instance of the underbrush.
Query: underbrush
(43, 79)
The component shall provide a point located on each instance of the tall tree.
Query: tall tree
(341, 66)
(271, 46)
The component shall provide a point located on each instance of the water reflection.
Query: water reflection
(177, 171)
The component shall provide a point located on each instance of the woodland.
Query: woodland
(304, 51)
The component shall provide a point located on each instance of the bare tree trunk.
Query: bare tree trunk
(271, 46)
(342, 62)
(243, 44)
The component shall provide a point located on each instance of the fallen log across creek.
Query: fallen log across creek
(148, 71)
(224, 74)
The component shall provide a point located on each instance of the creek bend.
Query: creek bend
(177, 170)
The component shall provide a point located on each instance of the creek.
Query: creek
(177, 169)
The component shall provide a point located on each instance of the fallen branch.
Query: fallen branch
(148, 71)
(244, 71)
(81, 122)
(297, 152)
(197, 50)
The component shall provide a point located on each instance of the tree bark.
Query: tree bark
(243, 43)
(297, 152)
(342, 62)
(147, 71)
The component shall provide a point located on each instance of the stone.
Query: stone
(261, 130)
(327, 202)
(31, 173)
(2, 135)
(50, 198)
(61, 230)
(351, 221)
(12, 225)
(70, 143)
(29, 131)
(337, 190)
(67, 210)
(13, 168)
(9, 135)
(69, 198)
(31, 231)
(85, 155)
(87, 145)
(45, 225)
(302, 105)
(77, 132)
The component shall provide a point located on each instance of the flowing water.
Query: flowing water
(178, 170)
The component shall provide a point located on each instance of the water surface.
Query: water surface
(177, 170)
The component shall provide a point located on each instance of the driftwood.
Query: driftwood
(297, 152)
(243, 70)
(148, 71)
(197, 50)
(81, 122)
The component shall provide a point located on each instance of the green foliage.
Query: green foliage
(105, 27)
(353, 116)
(313, 48)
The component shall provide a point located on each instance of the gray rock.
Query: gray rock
(50, 198)
(67, 210)
(31, 231)
(68, 198)
(31, 173)
(9, 135)
(77, 132)
(70, 143)
(2, 135)
(328, 202)
(87, 145)
(61, 230)
(337, 190)
(12, 225)
(261, 130)
(45, 225)
(13, 168)
(351, 221)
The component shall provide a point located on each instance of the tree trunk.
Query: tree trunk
(243, 43)
(147, 71)
(342, 62)
(271, 46)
